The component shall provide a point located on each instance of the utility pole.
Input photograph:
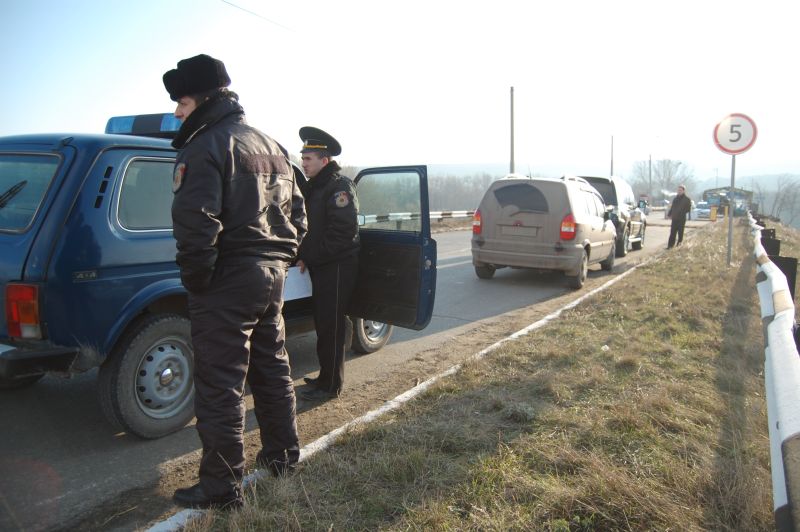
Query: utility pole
(650, 176)
(612, 155)
(511, 166)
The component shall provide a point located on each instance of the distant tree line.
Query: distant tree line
(659, 179)
(783, 202)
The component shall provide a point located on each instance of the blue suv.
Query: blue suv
(88, 274)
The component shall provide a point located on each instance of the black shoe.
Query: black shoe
(311, 380)
(318, 394)
(195, 497)
(278, 468)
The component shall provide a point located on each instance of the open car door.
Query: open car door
(397, 264)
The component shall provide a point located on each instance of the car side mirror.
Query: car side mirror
(642, 204)
(361, 219)
(607, 213)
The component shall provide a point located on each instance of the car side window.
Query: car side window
(389, 201)
(145, 200)
(599, 207)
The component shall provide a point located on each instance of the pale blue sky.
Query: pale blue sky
(428, 81)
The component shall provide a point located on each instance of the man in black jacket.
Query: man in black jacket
(330, 253)
(238, 219)
(681, 205)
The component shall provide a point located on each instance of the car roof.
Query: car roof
(102, 139)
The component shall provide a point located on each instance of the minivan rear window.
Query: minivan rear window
(524, 196)
(24, 179)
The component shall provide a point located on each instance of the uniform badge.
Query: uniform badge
(341, 198)
(177, 177)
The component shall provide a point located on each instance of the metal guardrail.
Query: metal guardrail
(782, 382)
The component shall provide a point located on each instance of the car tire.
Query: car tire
(146, 385)
(369, 336)
(22, 382)
(577, 281)
(639, 244)
(624, 242)
(484, 271)
(608, 264)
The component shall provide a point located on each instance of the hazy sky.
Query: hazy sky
(428, 82)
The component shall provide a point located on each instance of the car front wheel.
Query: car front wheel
(369, 336)
(146, 386)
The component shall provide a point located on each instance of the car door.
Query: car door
(397, 263)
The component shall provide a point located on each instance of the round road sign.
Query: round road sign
(735, 133)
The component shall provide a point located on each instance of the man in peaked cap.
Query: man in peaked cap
(233, 256)
(330, 253)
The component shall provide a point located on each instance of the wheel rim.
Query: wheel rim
(374, 330)
(164, 378)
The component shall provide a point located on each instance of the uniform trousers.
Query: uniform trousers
(332, 286)
(238, 335)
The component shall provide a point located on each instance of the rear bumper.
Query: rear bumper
(17, 362)
(567, 260)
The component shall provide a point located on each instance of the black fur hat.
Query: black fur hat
(196, 74)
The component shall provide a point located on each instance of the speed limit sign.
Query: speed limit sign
(735, 133)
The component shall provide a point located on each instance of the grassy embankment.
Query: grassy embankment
(641, 409)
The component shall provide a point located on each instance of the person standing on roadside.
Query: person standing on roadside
(238, 219)
(330, 253)
(681, 205)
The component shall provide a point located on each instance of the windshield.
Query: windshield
(23, 182)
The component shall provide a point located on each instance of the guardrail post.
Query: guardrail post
(787, 266)
(772, 246)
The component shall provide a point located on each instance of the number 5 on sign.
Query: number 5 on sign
(735, 134)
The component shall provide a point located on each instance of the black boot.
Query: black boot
(195, 497)
(280, 467)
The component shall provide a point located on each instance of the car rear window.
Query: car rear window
(24, 179)
(524, 196)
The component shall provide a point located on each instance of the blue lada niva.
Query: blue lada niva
(88, 274)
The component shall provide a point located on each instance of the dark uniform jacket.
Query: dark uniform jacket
(236, 198)
(681, 205)
(332, 209)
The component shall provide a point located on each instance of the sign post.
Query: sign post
(735, 134)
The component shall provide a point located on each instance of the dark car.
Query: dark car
(627, 214)
(88, 274)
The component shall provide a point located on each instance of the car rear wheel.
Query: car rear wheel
(12, 384)
(608, 264)
(484, 271)
(639, 244)
(146, 386)
(624, 242)
(577, 281)
(369, 336)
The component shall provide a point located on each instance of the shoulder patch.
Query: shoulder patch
(342, 199)
(177, 177)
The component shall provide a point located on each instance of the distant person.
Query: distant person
(330, 253)
(681, 206)
(238, 219)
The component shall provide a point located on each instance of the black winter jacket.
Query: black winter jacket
(681, 205)
(236, 198)
(332, 208)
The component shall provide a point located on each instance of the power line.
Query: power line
(257, 15)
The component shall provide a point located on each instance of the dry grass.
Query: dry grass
(642, 409)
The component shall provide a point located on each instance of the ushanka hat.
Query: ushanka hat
(314, 139)
(194, 75)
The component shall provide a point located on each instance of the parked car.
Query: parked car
(628, 215)
(702, 211)
(88, 274)
(542, 223)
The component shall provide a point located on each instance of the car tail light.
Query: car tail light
(22, 311)
(568, 227)
(477, 223)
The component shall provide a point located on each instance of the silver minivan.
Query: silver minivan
(542, 223)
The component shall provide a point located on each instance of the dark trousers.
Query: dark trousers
(676, 229)
(237, 335)
(332, 286)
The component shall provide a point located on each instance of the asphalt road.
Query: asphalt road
(59, 460)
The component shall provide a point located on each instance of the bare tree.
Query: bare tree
(662, 177)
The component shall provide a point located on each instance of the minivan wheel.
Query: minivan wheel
(624, 242)
(608, 264)
(639, 244)
(576, 281)
(484, 271)
(146, 386)
(369, 336)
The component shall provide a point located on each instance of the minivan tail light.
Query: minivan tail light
(477, 223)
(568, 227)
(22, 311)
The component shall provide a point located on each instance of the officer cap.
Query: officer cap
(314, 139)
(196, 74)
